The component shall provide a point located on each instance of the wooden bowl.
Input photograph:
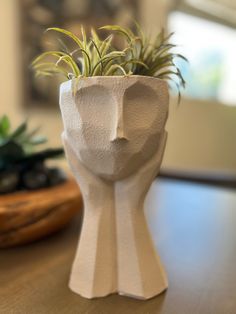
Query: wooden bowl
(29, 216)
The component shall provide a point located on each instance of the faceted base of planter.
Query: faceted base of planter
(116, 255)
(123, 294)
(144, 297)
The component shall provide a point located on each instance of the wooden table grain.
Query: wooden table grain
(194, 229)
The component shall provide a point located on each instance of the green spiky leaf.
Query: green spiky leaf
(4, 126)
(93, 56)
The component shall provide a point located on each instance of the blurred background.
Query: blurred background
(202, 130)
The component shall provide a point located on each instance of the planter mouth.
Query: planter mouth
(68, 83)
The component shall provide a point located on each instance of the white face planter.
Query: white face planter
(114, 137)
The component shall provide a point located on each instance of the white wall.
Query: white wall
(202, 135)
(10, 58)
(11, 87)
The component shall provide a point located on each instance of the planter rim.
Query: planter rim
(68, 83)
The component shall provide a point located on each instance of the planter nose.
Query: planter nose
(118, 135)
(118, 132)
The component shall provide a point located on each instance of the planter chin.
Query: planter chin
(114, 137)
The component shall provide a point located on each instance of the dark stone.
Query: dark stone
(27, 172)
(56, 176)
(35, 179)
(8, 181)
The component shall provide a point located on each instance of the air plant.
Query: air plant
(156, 58)
(94, 56)
(91, 57)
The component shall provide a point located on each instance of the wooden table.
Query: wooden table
(194, 228)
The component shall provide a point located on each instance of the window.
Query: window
(211, 51)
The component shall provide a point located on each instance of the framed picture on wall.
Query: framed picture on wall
(38, 15)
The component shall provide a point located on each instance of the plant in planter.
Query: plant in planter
(114, 108)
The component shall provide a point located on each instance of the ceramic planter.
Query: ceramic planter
(114, 137)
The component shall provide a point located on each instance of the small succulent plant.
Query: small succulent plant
(16, 143)
(21, 167)
(93, 56)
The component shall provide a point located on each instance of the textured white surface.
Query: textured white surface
(114, 139)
